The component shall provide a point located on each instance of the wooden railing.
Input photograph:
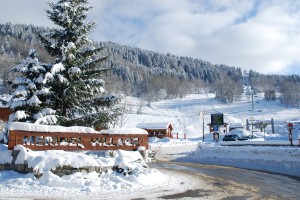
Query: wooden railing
(76, 141)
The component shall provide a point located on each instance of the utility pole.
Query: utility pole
(252, 98)
(252, 119)
(252, 102)
(202, 115)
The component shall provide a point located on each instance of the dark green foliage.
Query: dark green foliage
(77, 83)
(29, 99)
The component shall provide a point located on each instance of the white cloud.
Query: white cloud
(25, 12)
(266, 43)
(262, 35)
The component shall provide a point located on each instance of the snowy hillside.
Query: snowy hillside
(184, 114)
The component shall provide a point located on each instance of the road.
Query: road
(227, 182)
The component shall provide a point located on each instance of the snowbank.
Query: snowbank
(260, 142)
(49, 128)
(110, 185)
(47, 160)
(284, 160)
(81, 184)
(156, 143)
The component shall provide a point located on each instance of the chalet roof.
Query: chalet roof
(154, 125)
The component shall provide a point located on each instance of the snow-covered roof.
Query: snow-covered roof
(125, 131)
(49, 128)
(75, 129)
(154, 125)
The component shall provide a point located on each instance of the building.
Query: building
(157, 129)
(4, 113)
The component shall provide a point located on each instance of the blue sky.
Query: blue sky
(263, 35)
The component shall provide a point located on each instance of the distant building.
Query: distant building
(157, 129)
(4, 110)
(4, 113)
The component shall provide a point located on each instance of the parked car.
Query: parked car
(249, 137)
(234, 138)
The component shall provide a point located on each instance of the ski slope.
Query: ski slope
(184, 114)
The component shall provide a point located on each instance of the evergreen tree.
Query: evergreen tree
(78, 94)
(30, 93)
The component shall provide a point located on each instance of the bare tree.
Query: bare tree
(227, 90)
(290, 93)
(140, 106)
(123, 117)
(268, 84)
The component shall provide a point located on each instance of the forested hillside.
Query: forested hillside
(149, 74)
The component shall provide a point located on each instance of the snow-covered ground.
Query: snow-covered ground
(184, 116)
(92, 185)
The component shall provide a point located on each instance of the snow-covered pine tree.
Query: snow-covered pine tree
(29, 99)
(78, 94)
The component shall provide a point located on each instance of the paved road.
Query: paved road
(236, 183)
(232, 182)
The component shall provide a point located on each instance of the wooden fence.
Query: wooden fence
(76, 141)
